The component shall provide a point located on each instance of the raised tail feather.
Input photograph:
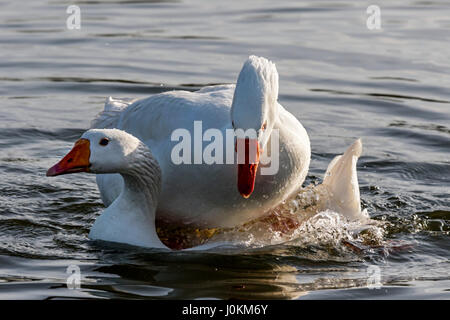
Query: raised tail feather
(341, 182)
(110, 116)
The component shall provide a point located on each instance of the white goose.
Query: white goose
(130, 218)
(206, 194)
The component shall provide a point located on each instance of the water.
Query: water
(390, 87)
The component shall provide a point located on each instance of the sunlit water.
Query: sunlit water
(390, 87)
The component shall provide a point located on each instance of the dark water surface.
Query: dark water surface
(390, 87)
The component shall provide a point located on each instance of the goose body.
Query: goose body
(130, 218)
(206, 194)
(131, 149)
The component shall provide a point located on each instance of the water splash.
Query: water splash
(303, 221)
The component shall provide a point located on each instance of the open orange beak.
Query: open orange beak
(77, 160)
(248, 159)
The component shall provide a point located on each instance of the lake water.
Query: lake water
(391, 87)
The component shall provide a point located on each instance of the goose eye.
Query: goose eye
(264, 126)
(104, 142)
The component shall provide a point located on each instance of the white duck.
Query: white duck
(130, 218)
(206, 194)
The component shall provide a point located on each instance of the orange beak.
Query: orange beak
(248, 160)
(77, 160)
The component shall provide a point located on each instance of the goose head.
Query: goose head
(253, 114)
(100, 151)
